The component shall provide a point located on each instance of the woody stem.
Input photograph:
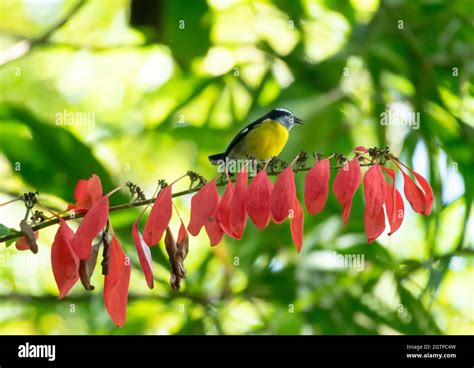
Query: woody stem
(17, 234)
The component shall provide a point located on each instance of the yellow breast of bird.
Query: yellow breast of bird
(264, 141)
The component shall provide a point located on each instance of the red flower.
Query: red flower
(297, 225)
(375, 193)
(87, 193)
(361, 149)
(116, 283)
(213, 230)
(64, 261)
(92, 224)
(374, 226)
(427, 191)
(183, 236)
(420, 199)
(203, 213)
(258, 199)
(378, 192)
(283, 196)
(144, 253)
(223, 209)
(374, 190)
(203, 206)
(393, 203)
(316, 186)
(159, 218)
(345, 185)
(238, 213)
(22, 244)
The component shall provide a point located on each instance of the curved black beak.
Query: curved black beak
(298, 120)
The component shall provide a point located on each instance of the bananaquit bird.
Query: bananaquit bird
(263, 139)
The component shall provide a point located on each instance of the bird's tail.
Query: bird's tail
(216, 158)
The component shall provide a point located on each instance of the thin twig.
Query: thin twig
(24, 46)
(17, 234)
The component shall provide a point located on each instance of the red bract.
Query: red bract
(64, 261)
(428, 191)
(375, 193)
(414, 195)
(360, 149)
(238, 213)
(297, 225)
(374, 226)
(283, 196)
(86, 194)
(258, 199)
(421, 199)
(182, 235)
(345, 185)
(159, 218)
(22, 243)
(316, 186)
(92, 224)
(395, 209)
(203, 207)
(116, 283)
(223, 209)
(214, 231)
(393, 203)
(144, 253)
(374, 190)
(374, 215)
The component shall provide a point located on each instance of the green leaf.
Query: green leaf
(421, 319)
(6, 231)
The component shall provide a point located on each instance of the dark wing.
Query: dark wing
(240, 135)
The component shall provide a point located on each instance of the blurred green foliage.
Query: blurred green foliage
(170, 82)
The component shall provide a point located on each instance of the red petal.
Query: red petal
(414, 195)
(346, 212)
(86, 194)
(428, 191)
(374, 190)
(223, 210)
(21, 244)
(297, 225)
(64, 261)
(92, 224)
(116, 283)
(213, 230)
(182, 235)
(345, 185)
(203, 206)
(144, 253)
(360, 149)
(160, 217)
(395, 212)
(283, 196)
(238, 213)
(374, 226)
(316, 186)
(393, 203)
(258, 199)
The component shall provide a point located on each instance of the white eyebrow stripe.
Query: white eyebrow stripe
(283, 110)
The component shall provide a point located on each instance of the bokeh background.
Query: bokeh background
(166, 83)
